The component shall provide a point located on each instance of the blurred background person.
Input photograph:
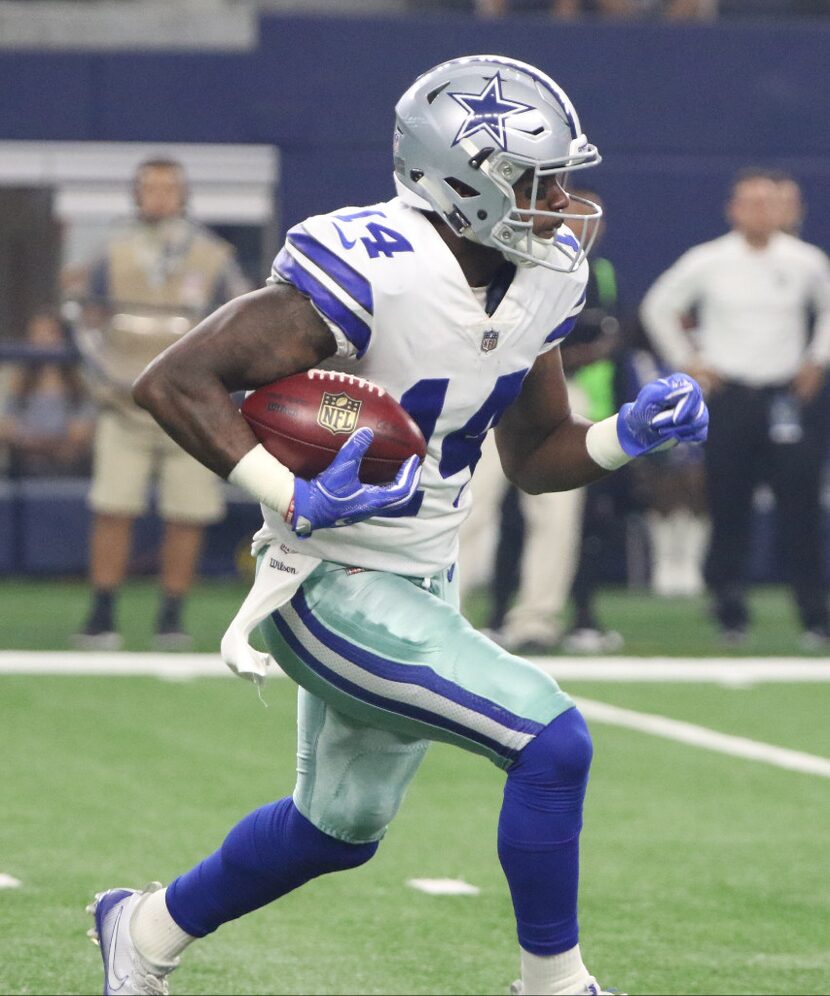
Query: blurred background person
(753, 291)
(545, 555)
(670, 489)
(593, 360)
(47, 419)
(155, 279)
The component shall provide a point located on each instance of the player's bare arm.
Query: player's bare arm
(541, 441)
(544, 447)
(253, 340)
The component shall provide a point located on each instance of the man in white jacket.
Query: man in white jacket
(752, 291)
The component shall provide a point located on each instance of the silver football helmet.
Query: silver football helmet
(468, 130)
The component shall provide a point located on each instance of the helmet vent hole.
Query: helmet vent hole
(460, 187)
(415, 175)
(434, 93)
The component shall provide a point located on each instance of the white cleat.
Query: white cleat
(587, 987)
(592, 641)
(126, 973)
(104, 640)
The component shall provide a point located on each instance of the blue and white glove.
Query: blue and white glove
(667, 411)
(336, 496)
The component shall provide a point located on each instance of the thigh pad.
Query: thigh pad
(397, 656)
(351, 778)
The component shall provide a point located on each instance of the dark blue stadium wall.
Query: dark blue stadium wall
(675, 109)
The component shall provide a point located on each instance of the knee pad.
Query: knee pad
(356, 801)
(351, 778)
(546, 786)
(363, 808)
(560, 755)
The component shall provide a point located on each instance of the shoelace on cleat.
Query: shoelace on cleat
(150, 983)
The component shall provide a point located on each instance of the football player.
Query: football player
(454, 297)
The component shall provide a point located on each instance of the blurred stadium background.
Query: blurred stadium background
(705, 870)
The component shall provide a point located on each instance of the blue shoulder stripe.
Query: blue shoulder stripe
(562, 330)
(354, 328)
(338, 269)
(568, 240)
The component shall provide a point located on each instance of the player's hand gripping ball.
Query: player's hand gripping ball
(303, 420)
(353, 450)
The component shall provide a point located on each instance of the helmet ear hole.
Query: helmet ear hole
(461, 188)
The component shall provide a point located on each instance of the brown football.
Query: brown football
(303, 420)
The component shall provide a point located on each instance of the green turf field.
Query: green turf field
(702, 872)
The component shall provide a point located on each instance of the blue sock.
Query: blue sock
(270, 852)
(539, 833)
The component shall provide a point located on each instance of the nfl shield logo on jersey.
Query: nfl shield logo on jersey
(489, 340)
(339, 412)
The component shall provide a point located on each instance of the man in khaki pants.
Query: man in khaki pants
(155, 279)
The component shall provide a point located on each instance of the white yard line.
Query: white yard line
(443, 886)
(700, 736)
(112, 664)
(722, 670)
(738, 671)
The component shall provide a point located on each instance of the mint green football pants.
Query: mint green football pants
(387, 664)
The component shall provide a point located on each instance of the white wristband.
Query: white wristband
(263, 476)
(603, 445)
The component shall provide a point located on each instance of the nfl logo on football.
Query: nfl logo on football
(339, 412)
(489, 340)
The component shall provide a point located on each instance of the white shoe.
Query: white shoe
(815, 639)
(588, 987)
(173, 640)
(104, 640)
(126, 973)
(592, 641)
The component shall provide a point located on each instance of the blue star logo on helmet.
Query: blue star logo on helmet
(487, 111)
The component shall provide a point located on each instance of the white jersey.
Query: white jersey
(404, 317)
(753, 308)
